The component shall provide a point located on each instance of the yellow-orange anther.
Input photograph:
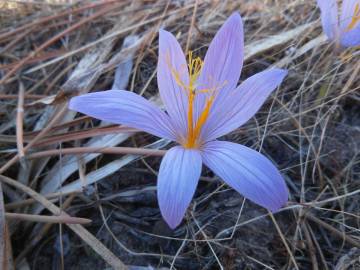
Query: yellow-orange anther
(190, 135)
(355, 19)
(194, 66)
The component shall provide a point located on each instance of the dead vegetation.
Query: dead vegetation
(59, 169)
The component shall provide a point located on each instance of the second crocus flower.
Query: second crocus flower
(344, 30)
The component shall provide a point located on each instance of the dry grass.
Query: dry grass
(54, 162)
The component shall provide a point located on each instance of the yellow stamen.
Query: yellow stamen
(194, 66)
(355, 18)
(191, 98)
(192, 140)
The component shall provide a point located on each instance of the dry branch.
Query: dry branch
(85, 235)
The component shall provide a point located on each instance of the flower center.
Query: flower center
(194, 126)
(355, 19)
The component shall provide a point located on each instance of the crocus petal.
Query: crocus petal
(171, 61)
(223, 61)
(248, 172)
(349, 37)
(329, 17)
(179, 174)
(126, 108)
(242, 103)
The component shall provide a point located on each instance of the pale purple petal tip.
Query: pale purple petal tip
(329, 17)
(224, 60)
(242, 104)
(248, 172)
(178, 177)
(225, 55)
(126, 108)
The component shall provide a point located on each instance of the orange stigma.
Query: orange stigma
(194, 126)
(355, 19)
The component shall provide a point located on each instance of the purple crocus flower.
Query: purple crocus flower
(345, 32)
(202, 104)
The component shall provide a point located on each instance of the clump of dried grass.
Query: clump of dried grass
(309, 128)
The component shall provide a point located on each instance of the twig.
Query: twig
(319, 203)
(6, 257)
(56, 38)
(207, 241)
(284, 240)
(102, 150)
(70, 136)
(61, 126)
(105, 38)
(41, 233)
(86, 236)
(19, 122)
(53, 17)
(16, 40)
(26, 96)
(191, 27)
(48, 219)
(14, 205)
(37, 137)
(318, 247)
(121, 245)
(2, 231)
(334, 231)
(311, 248)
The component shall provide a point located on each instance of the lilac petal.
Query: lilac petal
(126, 108)
(179, 174)
(172, 59)
(349, 38)
(242, 103)
(329, 17)
(223, 61)
(248, 172)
